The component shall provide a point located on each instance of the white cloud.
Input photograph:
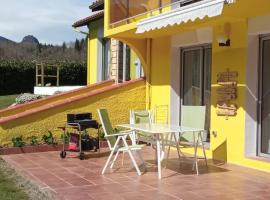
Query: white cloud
(49, 20)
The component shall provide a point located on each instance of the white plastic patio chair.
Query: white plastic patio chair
(114, 142)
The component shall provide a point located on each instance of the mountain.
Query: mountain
(3, 39)
(30, 49)
(30, 39)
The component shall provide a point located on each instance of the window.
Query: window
(264, 98)
(124, 63)
(196, 78)
(106, 43)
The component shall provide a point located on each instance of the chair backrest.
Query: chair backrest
(107, 126)
(192, 116)
(162, 114)
(140, 117)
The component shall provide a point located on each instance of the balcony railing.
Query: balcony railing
(126, 11)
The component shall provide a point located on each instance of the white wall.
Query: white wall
(52, 90)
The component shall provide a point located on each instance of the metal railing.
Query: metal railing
(160, 9)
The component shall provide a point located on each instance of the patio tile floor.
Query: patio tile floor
(73, 179)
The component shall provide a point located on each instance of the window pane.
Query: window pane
(192, 77)
(207, 88)
(106, 59)
(265, 115)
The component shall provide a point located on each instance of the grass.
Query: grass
(9, 190)
(6, 101)
(14, 186)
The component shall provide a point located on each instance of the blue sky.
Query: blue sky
(48, 20)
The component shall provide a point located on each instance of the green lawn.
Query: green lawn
(6, 101)
(8, 188)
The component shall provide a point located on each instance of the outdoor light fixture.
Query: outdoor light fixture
(223, 41)
(223, 38)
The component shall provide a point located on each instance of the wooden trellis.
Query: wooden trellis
(40, 73)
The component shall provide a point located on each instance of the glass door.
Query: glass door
(196, 79)
(264, 98)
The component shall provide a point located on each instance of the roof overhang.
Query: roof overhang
(199, 10)
(85, 21)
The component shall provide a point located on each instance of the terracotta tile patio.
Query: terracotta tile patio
(72, 179)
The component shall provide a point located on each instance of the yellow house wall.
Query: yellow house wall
(132, 96)
(229, 143)
(93, 49)
(160, 72)
(133, 57)
(92, 54)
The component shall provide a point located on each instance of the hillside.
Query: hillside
(30, 49)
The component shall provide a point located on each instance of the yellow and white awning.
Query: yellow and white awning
(199, 10)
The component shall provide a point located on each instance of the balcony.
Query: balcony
(127, 11)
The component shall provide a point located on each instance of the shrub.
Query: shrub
(34, 140)
(14, 73)
(18, 141)
(26, 97)
(48, 138)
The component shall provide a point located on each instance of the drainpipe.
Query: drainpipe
(148, 73)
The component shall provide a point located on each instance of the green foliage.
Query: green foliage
(48, 138)
(101, 133)
(34, 140)
(66, 137)
(18, 76)
(18, 141)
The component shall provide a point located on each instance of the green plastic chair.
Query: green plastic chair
(193, 116)
(114, 142)
(142, 117)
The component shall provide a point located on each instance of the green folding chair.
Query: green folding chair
(194, 117)
(114, 142)
(142, 117)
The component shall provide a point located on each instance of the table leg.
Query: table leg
(158, 157)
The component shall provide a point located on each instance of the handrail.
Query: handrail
(151, 11)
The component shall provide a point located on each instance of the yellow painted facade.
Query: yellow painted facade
(131, 95)
(155, 50)
(92, 54)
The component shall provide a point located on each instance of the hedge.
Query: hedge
(19, 76)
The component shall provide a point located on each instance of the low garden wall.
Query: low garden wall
(119, 99)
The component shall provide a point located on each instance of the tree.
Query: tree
(77, 45)
(64, 47)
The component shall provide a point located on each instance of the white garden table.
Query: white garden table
(158, 130)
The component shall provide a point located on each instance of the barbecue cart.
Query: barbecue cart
(75, 141)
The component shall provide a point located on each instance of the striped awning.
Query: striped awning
(198, 10)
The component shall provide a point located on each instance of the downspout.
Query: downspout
(148, 73)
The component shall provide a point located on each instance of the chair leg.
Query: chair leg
(131, 157)
(111, 154)
(115, 157)
(200, 134)
(134, 163)
(168, 152)
(140, 157)
(177, 146)
(196, 157)
(195, 142)
(107, 162)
